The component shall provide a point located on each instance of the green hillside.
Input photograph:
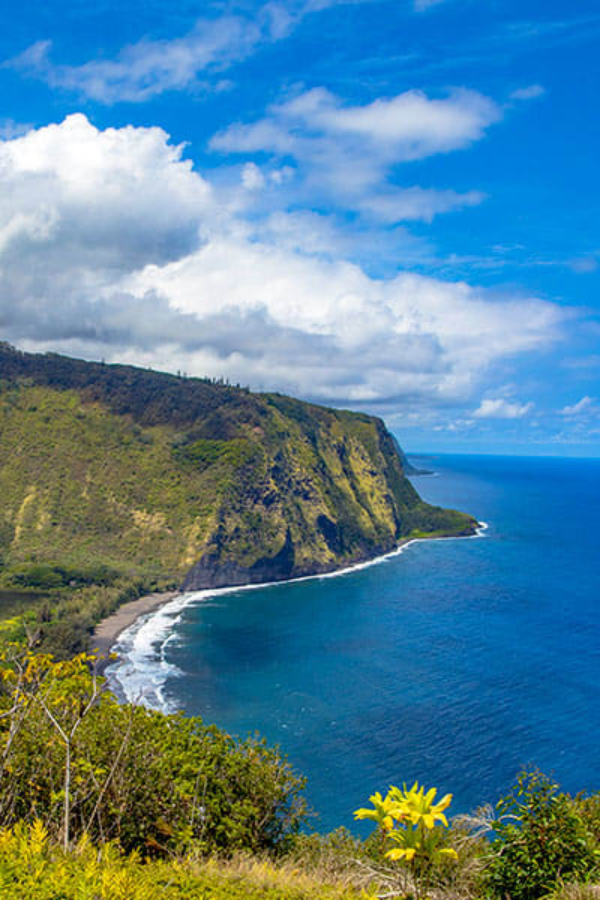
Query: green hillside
(111, 472)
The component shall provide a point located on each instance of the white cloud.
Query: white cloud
(111, 245)
(146, 68)
(584, 407)
(252, 177)
(417, 204)
(335, 333)
(349, 154)
(142, 70)
(113, 199)
(409, 126)
(502, 409)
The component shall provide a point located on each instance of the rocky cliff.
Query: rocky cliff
(128, 471)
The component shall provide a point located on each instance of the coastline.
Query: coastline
(138, 632)
(108, 630)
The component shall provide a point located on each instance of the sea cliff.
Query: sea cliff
(109, 471)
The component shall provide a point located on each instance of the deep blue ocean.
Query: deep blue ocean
(456, 662)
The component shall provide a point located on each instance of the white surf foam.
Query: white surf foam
(142, 670)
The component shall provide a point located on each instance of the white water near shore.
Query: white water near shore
(142, 669)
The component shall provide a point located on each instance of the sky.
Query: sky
(385, 205)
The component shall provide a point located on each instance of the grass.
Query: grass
(33, 868)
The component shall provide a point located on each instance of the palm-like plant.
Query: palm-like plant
(414, 824)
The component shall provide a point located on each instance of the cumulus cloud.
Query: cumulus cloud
(350, 153)
(79, 207)
(502, 409)
(112, 245)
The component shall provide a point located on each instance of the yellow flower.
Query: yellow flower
(382, 813)
(406, 853)
(418, 807)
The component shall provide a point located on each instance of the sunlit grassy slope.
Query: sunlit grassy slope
(112, 471)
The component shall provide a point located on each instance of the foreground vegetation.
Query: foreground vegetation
(106, 801)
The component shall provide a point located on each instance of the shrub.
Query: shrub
(40, 576)
(82, 763)
(541, 839)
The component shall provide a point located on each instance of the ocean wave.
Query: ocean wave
(142, 670)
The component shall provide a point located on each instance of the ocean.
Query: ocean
(456, 662)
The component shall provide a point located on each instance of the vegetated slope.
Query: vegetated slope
(110, 471)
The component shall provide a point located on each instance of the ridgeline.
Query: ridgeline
(114, 475)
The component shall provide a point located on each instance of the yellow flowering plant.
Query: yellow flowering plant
(413, 827)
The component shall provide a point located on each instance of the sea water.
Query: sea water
(455, 662)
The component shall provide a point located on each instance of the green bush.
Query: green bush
(148, 781)
(39, 576)
(541, 839)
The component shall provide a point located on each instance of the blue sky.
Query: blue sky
(390, 206)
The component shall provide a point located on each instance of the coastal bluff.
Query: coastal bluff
(126, 472)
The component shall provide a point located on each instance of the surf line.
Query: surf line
(142, 669)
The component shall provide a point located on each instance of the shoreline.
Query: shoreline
(108, 630)
(106, 635)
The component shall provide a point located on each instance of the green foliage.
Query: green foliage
(150, 398)
(149, 781)
(64, 627)
(424, 520)
(588, 807)
(38, 575)
(45, 577)
(20, 603)
(542, 838)
(204, 453)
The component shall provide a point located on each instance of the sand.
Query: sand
(107, 631)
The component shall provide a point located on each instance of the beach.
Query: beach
(108, 630)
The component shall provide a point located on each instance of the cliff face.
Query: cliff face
(143, 473)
